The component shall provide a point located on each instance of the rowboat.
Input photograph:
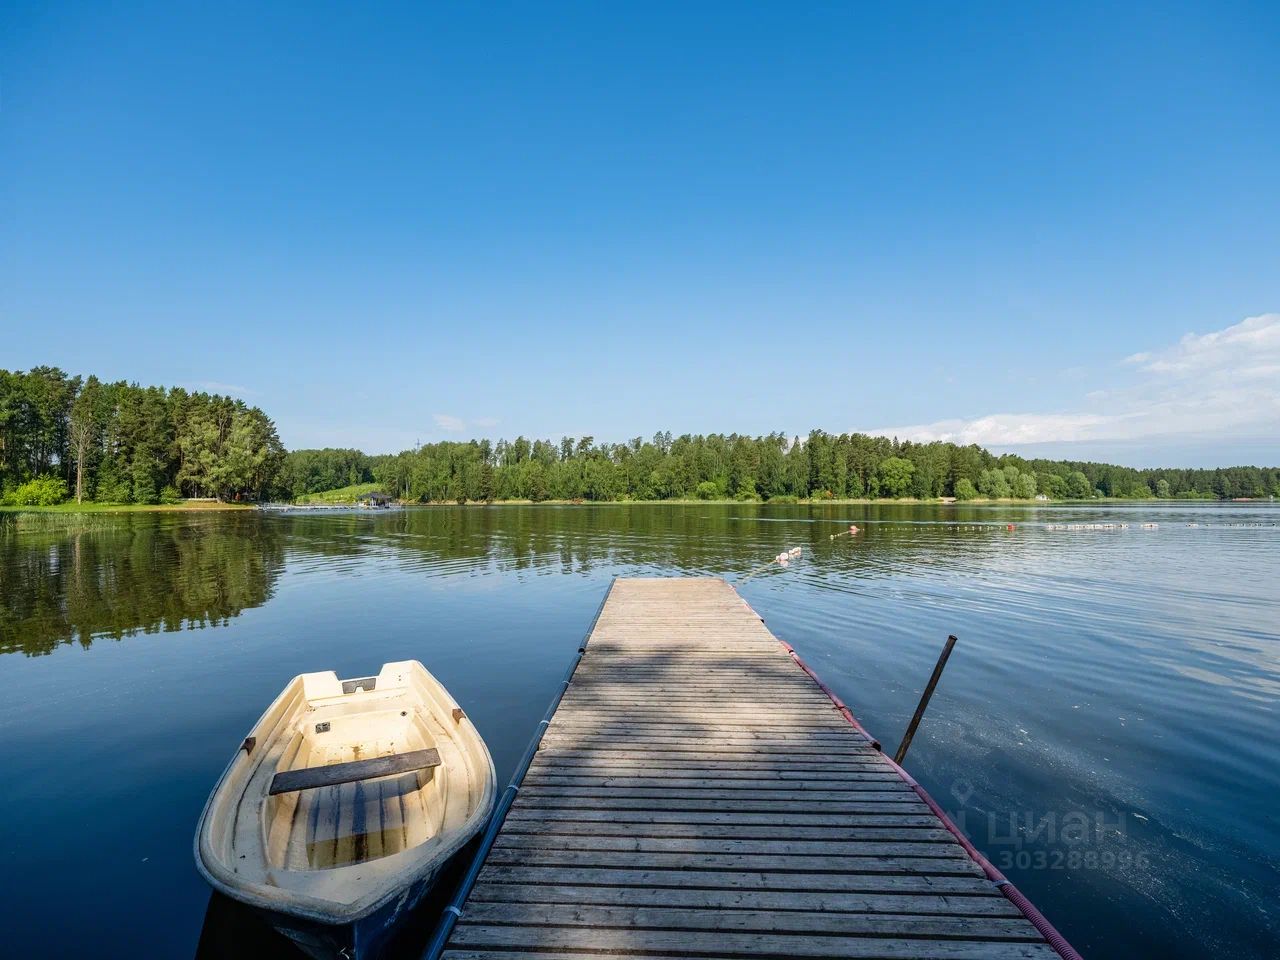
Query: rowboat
(344, 804)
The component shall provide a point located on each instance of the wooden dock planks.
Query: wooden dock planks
(698, 795)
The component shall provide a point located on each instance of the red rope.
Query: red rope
(840, 705)
(1002, 883)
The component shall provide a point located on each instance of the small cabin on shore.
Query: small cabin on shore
(375, 499)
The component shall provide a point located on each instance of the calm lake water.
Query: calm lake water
(1106, 730)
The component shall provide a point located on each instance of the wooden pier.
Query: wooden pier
(698, 794)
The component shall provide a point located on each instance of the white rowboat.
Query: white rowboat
(344, 803)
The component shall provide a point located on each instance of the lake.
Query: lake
(1106, 730)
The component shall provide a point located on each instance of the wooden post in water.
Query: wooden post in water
(924, 701)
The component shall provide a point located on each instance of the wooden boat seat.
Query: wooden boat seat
(335, 773)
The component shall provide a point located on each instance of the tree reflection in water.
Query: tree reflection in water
(79, 579)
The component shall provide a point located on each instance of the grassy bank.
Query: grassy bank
(77, 518)
(72, 507)
(341, 495)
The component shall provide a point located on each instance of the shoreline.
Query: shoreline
(684, 502)
(200, 506)
(216, 507)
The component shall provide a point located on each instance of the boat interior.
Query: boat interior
(324, 825)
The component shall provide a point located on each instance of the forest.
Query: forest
(67, 437)
(773, 467)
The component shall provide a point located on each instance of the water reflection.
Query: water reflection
(710, 540)
(133, 575)
(1127, 672)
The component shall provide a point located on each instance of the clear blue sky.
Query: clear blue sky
(385, 223)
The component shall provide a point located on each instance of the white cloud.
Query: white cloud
(1225, 383)
(1251, 349)
(448, 422)
(999, 428)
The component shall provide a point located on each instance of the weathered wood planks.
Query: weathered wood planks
(698, 795)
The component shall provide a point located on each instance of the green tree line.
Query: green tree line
(63, 436)
(67, 436)
(772, 467)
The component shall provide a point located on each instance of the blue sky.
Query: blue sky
(391, 223)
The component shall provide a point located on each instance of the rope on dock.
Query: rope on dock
(998, 879)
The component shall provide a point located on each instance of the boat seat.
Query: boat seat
(335, 773)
